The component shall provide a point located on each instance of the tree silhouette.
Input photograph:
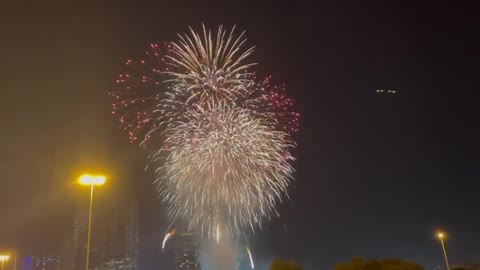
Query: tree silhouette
(279, 264)
(357, 263)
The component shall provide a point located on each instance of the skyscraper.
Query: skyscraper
(121, 245)
(26, 263)
(79, 240)
(66, 255)
(114, 243)
(187, 252)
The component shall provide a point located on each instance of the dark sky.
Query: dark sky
(376, 174)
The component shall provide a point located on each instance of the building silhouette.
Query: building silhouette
(114, 242)
(121, 245)
(43, 262)
(79, 241)
(65, 253)
(187, 252)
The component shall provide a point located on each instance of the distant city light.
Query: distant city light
(187, 252)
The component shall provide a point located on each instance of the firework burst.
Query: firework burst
(207, 68)
(225, 157)
(142, 97)
(224, 169)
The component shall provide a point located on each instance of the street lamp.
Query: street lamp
(3, 259)
(441, 236)
(90, 180)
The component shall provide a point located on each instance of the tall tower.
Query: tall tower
(121, 245)
(26, 263)
(65, 253)
(187, 252)
(114, 241)
(79, 240)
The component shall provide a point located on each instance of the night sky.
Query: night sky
(376, 176)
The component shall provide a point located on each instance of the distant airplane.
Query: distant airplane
(387, 91)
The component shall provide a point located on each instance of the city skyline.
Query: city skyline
(115, 243)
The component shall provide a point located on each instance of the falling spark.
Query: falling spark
(167, 236)
(218, 233)
(252, 265)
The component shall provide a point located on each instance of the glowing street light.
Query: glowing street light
(3, 259)
(441, 236)
(95, 180)
(92, 181)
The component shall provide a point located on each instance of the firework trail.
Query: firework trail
(252, 265)
(167, 236)
(224, 160)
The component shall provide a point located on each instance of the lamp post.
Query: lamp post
(441, 236)
(3, 259)
(92, 181)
